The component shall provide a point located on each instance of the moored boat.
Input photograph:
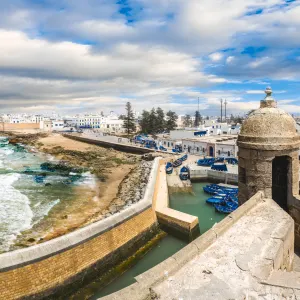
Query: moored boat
(169, 168)
(184, 173)
(177, 163)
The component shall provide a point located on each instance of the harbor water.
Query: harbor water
(194, 204)
(191, 203)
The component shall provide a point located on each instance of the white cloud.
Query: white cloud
(217, 56)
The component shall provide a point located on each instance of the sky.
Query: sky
(74, 56)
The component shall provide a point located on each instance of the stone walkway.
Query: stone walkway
(235, 266)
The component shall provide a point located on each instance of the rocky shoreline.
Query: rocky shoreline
(122, 180)
(132, 188)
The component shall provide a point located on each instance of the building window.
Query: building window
(219, 152)
(228, 153)
(197, 149)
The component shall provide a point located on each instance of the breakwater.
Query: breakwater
(56, 266)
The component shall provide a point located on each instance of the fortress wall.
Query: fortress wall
(54, 266)
(18, 126)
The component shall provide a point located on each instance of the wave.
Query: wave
(15, 212)
(42, 211)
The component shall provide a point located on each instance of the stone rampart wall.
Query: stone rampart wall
(54, 266)
(164, 270)
(117, 146)
(18, 126)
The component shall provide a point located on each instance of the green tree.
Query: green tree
(160, 120)
(197, 119)
(207, 117)
(145, 121)
(129, 122)
(171, 120)
(187, 121)
(152, 121)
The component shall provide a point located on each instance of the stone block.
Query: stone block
(158, 273)
(261, 268)
(245, 207)
(264, 167)
(274, 251)
(242, 162)
(205, 240)
(223, 226)
(186, 254)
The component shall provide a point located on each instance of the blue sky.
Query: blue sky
(75, 56)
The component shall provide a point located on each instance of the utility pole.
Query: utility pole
(221, 109)
(225, 104)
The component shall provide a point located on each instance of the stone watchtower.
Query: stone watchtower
(268, 155)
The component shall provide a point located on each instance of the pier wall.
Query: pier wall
(212, 175)
(54, 267)
(178, 223)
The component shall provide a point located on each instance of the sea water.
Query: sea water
(24, 202)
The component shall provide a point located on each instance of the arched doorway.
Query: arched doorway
(280, 166)
(211, 151)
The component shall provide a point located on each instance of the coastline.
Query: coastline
(90, 204)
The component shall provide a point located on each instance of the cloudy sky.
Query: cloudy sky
(95, 55)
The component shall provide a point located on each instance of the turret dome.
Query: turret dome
(269, 127)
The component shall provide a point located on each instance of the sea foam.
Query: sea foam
(15, 212)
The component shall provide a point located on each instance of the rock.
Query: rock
(31, 240)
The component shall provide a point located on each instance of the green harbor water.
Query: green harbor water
(194, 204)
(189, 203)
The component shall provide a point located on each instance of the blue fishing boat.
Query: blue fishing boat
(228, 208)
(219, 159)
(215, 200)
(184, 157)
(232, 160)
(211, 191)
(206, 162)
(232, 205)
(233, 198)
(184, 173)
(162, 148)
(219, 167)
(177, 163)
(169, 168)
